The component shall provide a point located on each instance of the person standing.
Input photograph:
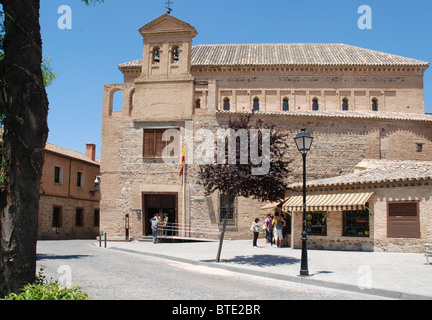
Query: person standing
(267, 223)
(278, 225)
(255, 228)
(165, 224)
(154, 226)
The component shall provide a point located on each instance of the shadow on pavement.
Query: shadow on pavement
(265, 260)
(41, 256)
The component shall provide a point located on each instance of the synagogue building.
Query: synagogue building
(364, 108)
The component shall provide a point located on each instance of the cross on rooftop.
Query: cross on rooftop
(169, 3)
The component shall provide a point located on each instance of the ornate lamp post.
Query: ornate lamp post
(304, 142)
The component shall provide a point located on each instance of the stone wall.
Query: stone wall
(68, 228)
(339, 145)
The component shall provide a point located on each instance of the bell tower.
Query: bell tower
(165, 89)
(167, 48)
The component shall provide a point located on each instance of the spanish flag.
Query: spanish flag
(183, 159)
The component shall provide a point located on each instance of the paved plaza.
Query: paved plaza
(392, 275)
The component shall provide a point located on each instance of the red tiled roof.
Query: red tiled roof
(377, 171)
(421, 117)
(70, 153)
(319, 54)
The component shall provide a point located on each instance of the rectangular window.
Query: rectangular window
(79, 217)
(58, 175)
(227, 208)
(57, 217)
(403, 220)
(316, 223)
(154, 147)
(80, 179)
(96, 217)
(356, 223)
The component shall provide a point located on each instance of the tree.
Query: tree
(237, 178)
(24, 112)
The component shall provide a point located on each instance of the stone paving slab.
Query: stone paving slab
(393, 275)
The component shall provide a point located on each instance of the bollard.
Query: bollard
(100, 239)
(105, 240)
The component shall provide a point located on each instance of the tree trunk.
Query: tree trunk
(25, 135)
(221, 239)
(222, 236)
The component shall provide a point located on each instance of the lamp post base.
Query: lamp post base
(304, 270)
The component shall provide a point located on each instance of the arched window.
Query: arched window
(117, 100)
(345, 104)
(197, 103)
(227, 104)
(285, 104)
(175, 54)
(315, 104)
(374, 104)
(256, 104)
(156, 54)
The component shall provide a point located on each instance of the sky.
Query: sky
(86, 55)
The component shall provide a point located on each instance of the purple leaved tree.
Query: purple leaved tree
(250, 162)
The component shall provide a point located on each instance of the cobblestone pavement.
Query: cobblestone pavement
(113, 275)
(392, 275)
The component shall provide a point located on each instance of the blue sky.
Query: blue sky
(103, 36)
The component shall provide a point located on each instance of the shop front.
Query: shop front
(382, 206)
(334, 221)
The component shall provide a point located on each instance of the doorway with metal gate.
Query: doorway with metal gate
(159, 203)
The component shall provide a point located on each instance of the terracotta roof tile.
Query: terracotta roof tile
(377, 171)
(343, 114)
(70, 153)
(290, 54)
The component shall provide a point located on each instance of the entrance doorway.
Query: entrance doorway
(159, 204)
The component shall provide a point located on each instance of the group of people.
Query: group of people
(274, 227)
(156, 221)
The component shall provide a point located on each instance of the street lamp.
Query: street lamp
(304, 142)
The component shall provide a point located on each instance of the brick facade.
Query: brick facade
(165, 94)
(62, 192)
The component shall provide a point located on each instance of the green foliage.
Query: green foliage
(48, 75)
(49, 291)
(42, 289)
(93, 2)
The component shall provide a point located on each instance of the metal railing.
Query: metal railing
(189, 231)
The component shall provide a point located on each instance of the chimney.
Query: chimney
(91, 151)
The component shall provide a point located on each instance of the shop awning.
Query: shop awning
(273, 205)
(329, 202)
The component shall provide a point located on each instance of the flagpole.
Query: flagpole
(184, 187)
(184, 202)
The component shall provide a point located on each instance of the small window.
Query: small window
(285, 104)
(403, 220)
(154, 146)
(345, 104)
(96, 218)
(57, 217)
(419, 147)
(315, 104)
(198, 104)
(227, 104)
(79, 217)
(316, 223)
(356, 223)
(58, 175)
(374, 104)
(256, 104)
(175, 54)
(80, 179)
(225, 202)
(156, 55)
